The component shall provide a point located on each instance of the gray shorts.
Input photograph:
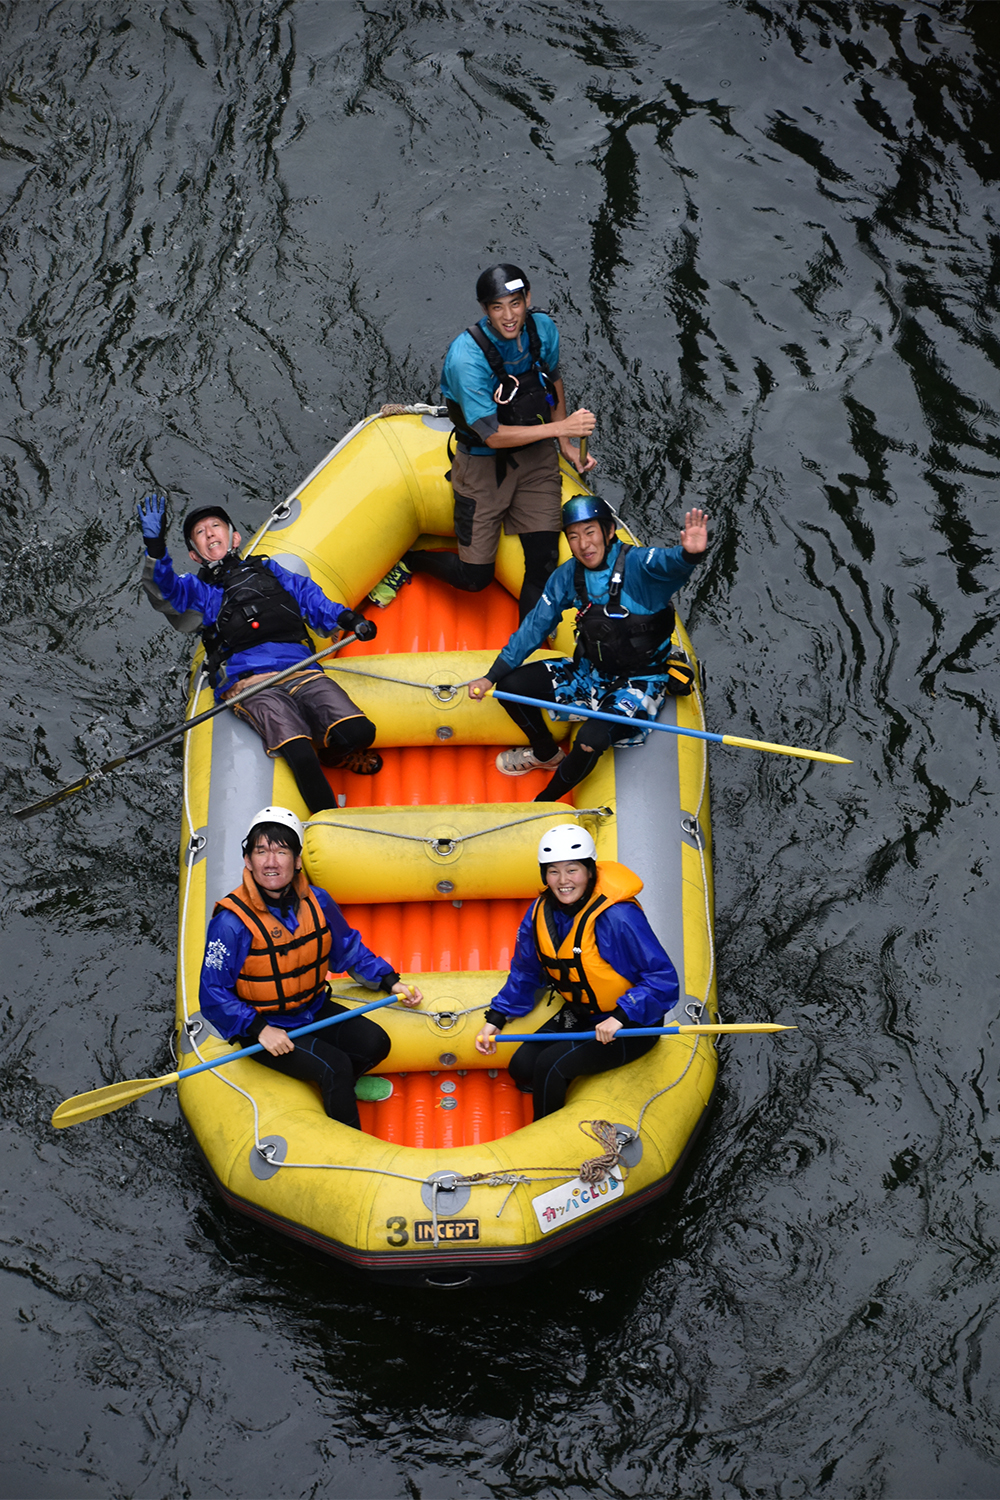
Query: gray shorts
(527, 498)
(303, 707)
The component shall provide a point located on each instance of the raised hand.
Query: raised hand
(694, 537)
(152, 514)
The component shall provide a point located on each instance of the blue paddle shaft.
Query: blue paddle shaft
(593, 713)
(589, 1036)
(219, 1062)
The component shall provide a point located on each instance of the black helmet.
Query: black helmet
(501, 281)
(587, 508)
(202, 514)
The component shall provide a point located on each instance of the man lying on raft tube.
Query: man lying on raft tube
(621, 978)
(624, 662)
(269, 946)
(251, 614)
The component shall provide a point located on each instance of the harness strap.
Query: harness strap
(606, 629)
(568, 973)
(494, 358)
(504, 458)
(614, 587)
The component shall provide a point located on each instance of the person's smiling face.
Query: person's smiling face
(211, 540)
(507, 314)
(272, 866)
(588, 542)
(567, 880)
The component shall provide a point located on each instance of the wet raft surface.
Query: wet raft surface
(768, 233)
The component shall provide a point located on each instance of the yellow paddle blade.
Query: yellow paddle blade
(105, 1101)
(831, 760)
(741, 1026)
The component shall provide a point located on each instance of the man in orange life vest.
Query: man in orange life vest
(269, 946)
(587, 937)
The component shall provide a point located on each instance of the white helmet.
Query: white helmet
(566, 841)
(282, 815)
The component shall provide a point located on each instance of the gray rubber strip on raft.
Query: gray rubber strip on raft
(647, 794)
(242, 783)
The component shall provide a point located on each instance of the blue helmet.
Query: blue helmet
(587, 508)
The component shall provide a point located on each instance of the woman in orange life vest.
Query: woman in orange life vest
(269, 946)
(621, 977)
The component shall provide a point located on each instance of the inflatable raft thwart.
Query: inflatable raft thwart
(449, 1182)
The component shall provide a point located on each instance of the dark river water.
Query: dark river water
(770, 234)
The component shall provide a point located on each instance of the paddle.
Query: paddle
(589, 1036)
(116, 1095)
(695, 734)
(92, 777)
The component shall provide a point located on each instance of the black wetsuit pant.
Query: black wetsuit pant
(305, 765)
(548, 1068)
(333, 1058)
(535, 681)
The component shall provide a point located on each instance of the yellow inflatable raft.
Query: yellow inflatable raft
(449, 1183)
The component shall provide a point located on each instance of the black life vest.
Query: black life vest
(612, 638)
(255, 608)
(522, 400)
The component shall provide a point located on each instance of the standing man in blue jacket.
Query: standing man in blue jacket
(505, 396)
(251, 614)
(624, 661)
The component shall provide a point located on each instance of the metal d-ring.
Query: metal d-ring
(692, 828)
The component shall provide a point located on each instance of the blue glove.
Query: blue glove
(152, 514)
(365, 630)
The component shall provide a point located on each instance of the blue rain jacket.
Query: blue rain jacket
(186, 592)
(652, 576)
(625, 940)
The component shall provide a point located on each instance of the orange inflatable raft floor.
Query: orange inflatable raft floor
(420, 937)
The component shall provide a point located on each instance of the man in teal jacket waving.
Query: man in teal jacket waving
(625, 662)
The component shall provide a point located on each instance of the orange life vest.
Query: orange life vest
(576, 968)
(283, 970)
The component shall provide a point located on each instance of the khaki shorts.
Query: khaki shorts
(527, 499)
(303, 707)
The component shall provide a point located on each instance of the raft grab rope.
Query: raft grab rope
(443, 691)
(448, 846)
(417, 409)
(596, 1168)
